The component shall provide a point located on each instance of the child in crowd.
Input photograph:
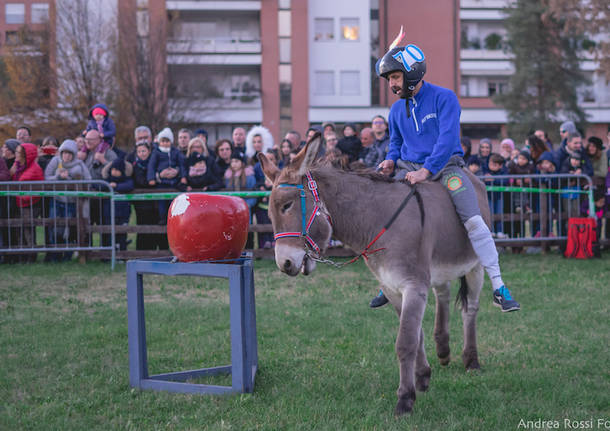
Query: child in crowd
(166, 169)
(100, 120)
(265, 239)
(474, 166)
(285, 149)
(119, 173)
(523, 166)
(200, 174)
(495, 167)
(240, 177)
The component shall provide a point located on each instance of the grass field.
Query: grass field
(327, 361)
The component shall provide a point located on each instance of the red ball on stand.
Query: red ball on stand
(207, 227)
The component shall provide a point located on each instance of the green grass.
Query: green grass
(327, 361)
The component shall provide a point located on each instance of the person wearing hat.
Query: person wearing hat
(599, 161)
(200, 173)
(522, 166)
(8, 151)
(100, 120)
(564, 129)
(425, 144)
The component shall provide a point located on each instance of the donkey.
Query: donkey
(310, 202)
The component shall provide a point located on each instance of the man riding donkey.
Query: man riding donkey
(425, 145)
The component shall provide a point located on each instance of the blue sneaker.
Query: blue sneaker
(378, 301)
(503, 300)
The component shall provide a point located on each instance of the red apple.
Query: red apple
(207, 227)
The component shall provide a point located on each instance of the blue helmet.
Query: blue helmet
(409, 60)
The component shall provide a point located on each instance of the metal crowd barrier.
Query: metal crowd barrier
(526, 210)
(56, 218)
(530, 209)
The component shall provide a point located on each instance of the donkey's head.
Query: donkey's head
(300, 226)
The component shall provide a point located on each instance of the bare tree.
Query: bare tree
(86, 55)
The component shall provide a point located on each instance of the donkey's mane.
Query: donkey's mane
(354, 169)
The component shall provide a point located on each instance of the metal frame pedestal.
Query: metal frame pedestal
(244, 350)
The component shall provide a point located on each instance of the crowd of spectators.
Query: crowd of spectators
(191, 162)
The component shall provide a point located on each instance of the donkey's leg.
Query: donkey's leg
(441, 322)
(470, 356)
(422, 367)
(408, 343)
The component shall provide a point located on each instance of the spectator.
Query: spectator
(536, 147)
(599, 201)
(572, 164)
(258, 140)
(474, 166)
(350, 144)
(8, 151)
(265, 239)
(141, 134)
(523, 166)
(28, 208)
(147, 212)
(466, 144)
(382, 137)
(4, 173)
(239, 138)
(328, 127)
(4, 205)
(565, 129)
(99, 119)
(65, 166)
(240, 177)
(24, 135)
(119, 174)
(496, 167)
(47, 151)
(331, 142)
(367, 138)
(599, 161)
(506, 148)
(310, 132)
(544, 137)
(546, 166)
(294, 137)
(483, 154)
(223, 150)
(80, 142)
(285, 149)
(573, 146)
(196, 145)
(200, 174)
(95, 160)
(184, 137)
(203, 135)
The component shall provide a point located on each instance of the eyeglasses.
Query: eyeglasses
(332, 140)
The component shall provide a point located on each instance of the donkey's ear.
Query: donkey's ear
(269, 169)
(303, 161)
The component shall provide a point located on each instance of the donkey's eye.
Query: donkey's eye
(286, 206)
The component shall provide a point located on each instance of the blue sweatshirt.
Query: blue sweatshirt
(431, 135)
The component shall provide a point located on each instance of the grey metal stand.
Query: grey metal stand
(244, 350)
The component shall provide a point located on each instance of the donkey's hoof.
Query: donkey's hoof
(472, 365)
(422, 381)
(445, 360)
(404, 406)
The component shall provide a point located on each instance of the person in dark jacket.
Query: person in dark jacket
(8, 151)
(147, 212)
(350, 144)
(119, 173)
(496, 166)
(573, 147)
(223, 150)
(47, 151)
(200, 175)
(166, 170)
(483, 154)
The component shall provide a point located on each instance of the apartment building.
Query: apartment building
(289, 63)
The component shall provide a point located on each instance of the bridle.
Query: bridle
(306, 223)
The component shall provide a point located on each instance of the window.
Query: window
(15, 13)
(494, 87)
(40, 13)
(284, 28)
(350, 29)
(284, 50)
(350, 83)
(284, 4)
(325, 83)
(324, 29)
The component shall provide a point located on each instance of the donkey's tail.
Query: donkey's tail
(462, 296)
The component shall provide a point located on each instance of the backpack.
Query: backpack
(581, 238)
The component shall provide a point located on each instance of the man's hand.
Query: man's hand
(417, 176)
(386, 167)
(100, 158)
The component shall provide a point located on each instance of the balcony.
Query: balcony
(224, 45)
(223, 5)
